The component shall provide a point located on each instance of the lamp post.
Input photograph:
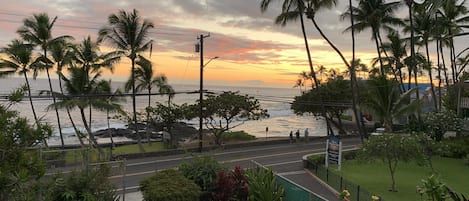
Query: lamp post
(201, 93)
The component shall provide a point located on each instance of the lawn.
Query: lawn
(375, 177)
(75, 156)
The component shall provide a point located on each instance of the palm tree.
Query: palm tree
(396, 49)
(38, 31)
(424, 22)
(79, 85)
(454, 17)
(19, 60)
(130, 33)
(87, 56)
(62, 54)
(387, 103)
(144, 80)
(292, 10)
(374, 14)
(314, 6)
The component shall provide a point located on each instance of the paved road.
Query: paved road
(283, 158)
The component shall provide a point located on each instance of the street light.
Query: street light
(201, 98)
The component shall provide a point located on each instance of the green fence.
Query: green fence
(293, 191)
(339, 183)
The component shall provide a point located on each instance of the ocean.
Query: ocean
(277, 101)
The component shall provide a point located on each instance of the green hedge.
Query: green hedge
(169, 185)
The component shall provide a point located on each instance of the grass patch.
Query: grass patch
(76, 156)
(375, 177)
(237, 136)
(133, 148)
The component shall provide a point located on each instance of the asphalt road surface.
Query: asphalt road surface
(284, 159)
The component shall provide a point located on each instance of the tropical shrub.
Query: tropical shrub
(231, 186)
(263, 186)
(438, 123)
(237, 136)
(456, 147)
(20, 167)
(91, 184)
(169, 185)
(203, 170)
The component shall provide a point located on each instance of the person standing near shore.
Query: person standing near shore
(291, 137)
(297, 133)
(306, 134)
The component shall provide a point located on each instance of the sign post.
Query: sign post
(333, 151)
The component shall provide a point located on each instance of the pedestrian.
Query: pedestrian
(306, 134)
(297, 133)
(291, 137)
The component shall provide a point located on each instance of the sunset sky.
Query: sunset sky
(252, 50)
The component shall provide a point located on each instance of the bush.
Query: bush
(262, 185)
(91, 184)
(231, 186)
(203, 170)
(456, 147)
(169, 185)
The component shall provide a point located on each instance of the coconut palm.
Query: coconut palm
(129, 32)
(454, 17)
(424, 23)
(386, 101)
(313, 7)
(144, 80)
(61, 54)
(38, 31)
(376, 15)
(396, 52)
(294, 9)
(86, 55)
(79, 85)
(19, 60)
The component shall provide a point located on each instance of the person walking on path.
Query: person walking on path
(297, 133)
(306, 134)
(291, 137)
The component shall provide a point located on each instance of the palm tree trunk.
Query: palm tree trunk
(148, 117)
(353, 81)
(439, 73)
(444, 66)
(30, 98)
(381, 66)
(453, 59)
(77, 132)
(134, 108)
(412, 54)
(430, 75)
(313, 73)
(92, 139)
(330, 42)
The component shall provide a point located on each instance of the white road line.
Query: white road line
(283, 163)
(292, 173)
(215, 154)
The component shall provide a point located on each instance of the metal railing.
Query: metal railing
(293, 191)
(357, 193)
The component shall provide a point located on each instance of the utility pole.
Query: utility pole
(201, 92)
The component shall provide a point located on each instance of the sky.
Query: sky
(251, 49)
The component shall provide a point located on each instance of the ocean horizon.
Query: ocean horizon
(277, 101)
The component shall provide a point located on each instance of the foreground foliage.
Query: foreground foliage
(20, 167)
(391, 149)
(169, 185)
(91, 184)
(263, 185)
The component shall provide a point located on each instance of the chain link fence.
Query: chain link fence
(339, 183)
(293, 191)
